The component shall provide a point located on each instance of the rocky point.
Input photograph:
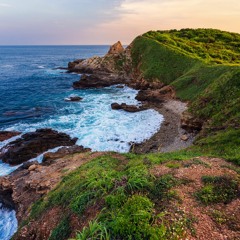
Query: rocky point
(30, 145)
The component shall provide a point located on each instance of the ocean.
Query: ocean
(33, 89)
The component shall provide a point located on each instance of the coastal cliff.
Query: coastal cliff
(190, 76)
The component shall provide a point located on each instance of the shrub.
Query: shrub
(62, 231)
(217, 189)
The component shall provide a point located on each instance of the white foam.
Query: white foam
(99, 127)
(39, 158)
(4, 143)
(40, 67)
(8, 223)
(6, 169)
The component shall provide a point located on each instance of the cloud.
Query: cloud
(106, 21)
(5, 5)
(139, 16)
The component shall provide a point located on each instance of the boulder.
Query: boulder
(73, 99)
(127, 108)
(30, 145)
(4, 135)
(184, 137)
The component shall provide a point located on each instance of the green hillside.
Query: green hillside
(204, 67)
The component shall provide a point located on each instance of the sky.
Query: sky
(60, 22)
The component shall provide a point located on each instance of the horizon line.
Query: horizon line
(39, 45)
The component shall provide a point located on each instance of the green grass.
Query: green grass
(62, 231)
(94, 230)
(203, 66)
(209, 45)
(219, 189)
(127, 192)
(159, 158)
(224, 144)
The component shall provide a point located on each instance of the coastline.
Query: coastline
(100, 72)
(170, 135)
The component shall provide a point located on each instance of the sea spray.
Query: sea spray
(8, 223)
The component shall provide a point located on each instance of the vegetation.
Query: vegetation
(62, 231)
(217, 189)
(129, 200)
(134, 203)
(203, 65)
(209, 45)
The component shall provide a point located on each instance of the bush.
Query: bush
(220, 189)
(62, 231)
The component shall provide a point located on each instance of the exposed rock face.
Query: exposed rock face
(49, 157)
(87, 65)
(116, 48)
(190, 123)
(115, 61)
(72, 65)
(4, 135)
(127, 108)
(32, 144)
(158, 95)
(142, 84)
(98, 81)
(30, 182)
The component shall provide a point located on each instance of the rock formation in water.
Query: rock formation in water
(127, 108)
(4, 135)
(117, 60)
(99, 80)
(30, 145)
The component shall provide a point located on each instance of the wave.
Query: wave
(8, 223)
(40, 67)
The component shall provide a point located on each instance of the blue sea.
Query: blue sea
(32, 92)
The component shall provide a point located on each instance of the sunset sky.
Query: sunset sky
(106, 21)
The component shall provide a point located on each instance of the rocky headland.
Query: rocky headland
(116, 68)
(179, 195)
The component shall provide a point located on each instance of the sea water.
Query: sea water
(32, 92)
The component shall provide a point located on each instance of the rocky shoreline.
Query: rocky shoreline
(33, 180)
(178, 129)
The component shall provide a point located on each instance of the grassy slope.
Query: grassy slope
(204, 67)
(132, 201)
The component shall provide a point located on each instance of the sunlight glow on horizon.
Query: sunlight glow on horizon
(107, 21)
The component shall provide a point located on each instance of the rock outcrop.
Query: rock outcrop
(73, 99)
(190, 123)
(32, 180)
(4, 135)
(156, 95)
(117, 61)
(32, 144)
(116, 48)
(127, 108)
(98, 81)
(50, 157)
